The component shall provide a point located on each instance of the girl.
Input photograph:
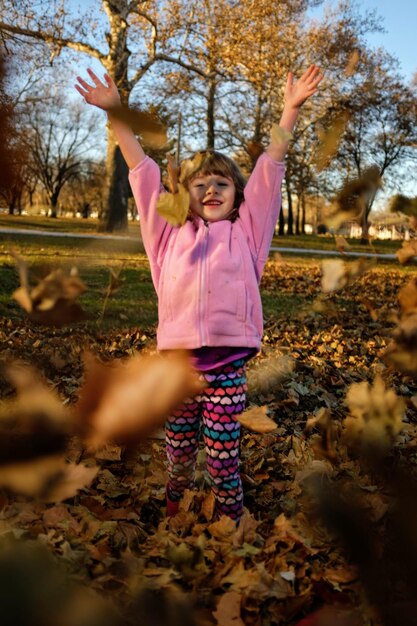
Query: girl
(206, 274)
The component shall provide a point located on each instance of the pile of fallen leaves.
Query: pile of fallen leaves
(108, 552)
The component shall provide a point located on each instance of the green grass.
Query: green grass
(60, 224)
(134, 303)
(327, 242)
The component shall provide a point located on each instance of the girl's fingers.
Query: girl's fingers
(81, 91)
(94, 77)
(82, 82)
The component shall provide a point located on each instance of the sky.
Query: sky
(399, 19)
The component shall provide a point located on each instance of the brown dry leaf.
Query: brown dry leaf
(127, 399)
(341, 243)
(407, 297)
(256, 420)
(52, 300)
(173, 174)
(269, 373)
(370, 307)
(31, 478)
(227, 612)
(352, 199)
(147, 125)
(279, 135)
(407, 252)
(323, 422)
(329, 141)
(208, 506)
(69, 482)
(336, 274)
(254, 149)
(174, 207)
(403, 204)
(190, 166)
(352, 63)
(224, 528)
(333, 275)
(376, 414)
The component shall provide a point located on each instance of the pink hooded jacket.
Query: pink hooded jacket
(207, 275)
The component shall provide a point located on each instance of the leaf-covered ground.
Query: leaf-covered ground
(283, 562)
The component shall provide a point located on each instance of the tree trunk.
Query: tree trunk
(281, 223)
(210, 115)
(303, 214)
(290, 221)
(117, 189)
(298, 216)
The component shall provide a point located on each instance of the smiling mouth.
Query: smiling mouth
(212, 203)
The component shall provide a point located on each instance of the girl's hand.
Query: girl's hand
(296, 93)
(102, 96)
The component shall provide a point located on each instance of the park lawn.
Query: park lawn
(133, 303)
(92, 226)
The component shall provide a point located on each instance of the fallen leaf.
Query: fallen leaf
(227, 612)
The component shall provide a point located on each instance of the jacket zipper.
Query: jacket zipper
(202, 286)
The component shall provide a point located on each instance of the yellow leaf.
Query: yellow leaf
(174, 207)
(148, 126)
(279, 135)
(256, 419)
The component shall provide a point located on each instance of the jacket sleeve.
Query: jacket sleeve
(145, 181)
(260, 209)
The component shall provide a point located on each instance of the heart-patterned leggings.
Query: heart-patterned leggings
(216, 408)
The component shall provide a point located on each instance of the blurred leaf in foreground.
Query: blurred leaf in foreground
(125, 400)
(35, 428)
(337, 274)
(376, 415)
(351, 201)
(52, 300)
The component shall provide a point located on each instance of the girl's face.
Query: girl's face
(212, 196)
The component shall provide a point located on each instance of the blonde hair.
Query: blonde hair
(211, 162)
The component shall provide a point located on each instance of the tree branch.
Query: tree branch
(61, 42)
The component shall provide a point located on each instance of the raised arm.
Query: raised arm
(296, 93)
(106, 97)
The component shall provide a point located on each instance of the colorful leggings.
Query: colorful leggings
(222, 400)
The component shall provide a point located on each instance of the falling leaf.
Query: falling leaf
(403, 204)
(407, 252)
(148, 126)
(351, 201)
(72, 478)
(336, 274)
(341, 244)
(174, 207)
(52, 300)
(128, 399)
(256, 419)
(254, 149)
(323, 422)
(173, 174)
(189, 167)
(333, 275)
(376, 414)
(352, 63)
(407, 297)
(329, 141)
(279, 135)
(269, 373)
